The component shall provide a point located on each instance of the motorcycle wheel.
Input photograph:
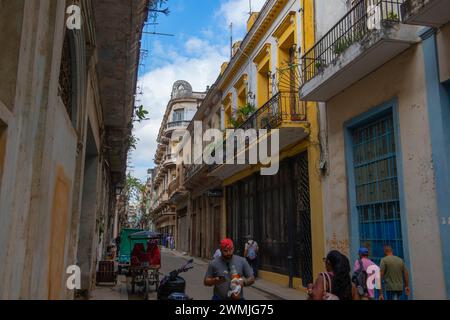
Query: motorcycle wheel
(146, 285)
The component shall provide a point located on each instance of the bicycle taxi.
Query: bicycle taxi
(145, 261)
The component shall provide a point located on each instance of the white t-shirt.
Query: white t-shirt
(217, 254)
(251, 243)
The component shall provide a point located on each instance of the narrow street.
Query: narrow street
(194, 283)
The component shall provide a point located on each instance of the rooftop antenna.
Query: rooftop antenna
(231, 40)
(250, 5)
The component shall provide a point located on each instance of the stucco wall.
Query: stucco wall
(328, 13)
(401, 78)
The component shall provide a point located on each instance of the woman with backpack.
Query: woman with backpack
(251, 251)
(335, 283)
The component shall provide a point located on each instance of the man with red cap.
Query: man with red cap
(228, 271)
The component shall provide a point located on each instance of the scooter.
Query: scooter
(172, 286)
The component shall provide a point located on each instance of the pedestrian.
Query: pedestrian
(172, 243)
(228, 274)
(360, 274)
(395, 276)
(251, 253)
(335, 283)
(217, 254)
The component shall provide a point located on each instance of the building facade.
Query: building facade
(66, 102)
(381, 76)
(168, 173)
(258, 89)
(205, 219)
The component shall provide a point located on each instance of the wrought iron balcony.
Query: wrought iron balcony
(282, 107)
(365, 39)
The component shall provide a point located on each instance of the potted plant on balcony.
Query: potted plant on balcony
(246, 111)
(242, 114)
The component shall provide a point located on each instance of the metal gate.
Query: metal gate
(377, 195)
(275, 210)
(303, 243)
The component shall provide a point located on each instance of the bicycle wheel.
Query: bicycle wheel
(156, 280)
(146, 285)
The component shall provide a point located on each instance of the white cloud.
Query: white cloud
(199, 64)
(236, 12)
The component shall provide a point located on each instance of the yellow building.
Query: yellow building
(259, 86)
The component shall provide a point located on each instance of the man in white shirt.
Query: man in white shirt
(251, 252)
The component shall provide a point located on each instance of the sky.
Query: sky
(201, 43)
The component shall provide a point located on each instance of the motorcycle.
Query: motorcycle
(172, 286)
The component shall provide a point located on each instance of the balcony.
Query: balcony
(173, 186)
(361, 42)
(284, 111)
(169, 161)
(432, 13)
(176, 125)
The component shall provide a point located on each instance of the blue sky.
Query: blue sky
(194, 54)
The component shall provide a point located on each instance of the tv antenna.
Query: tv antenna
(231, 40)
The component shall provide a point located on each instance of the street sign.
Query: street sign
(215, 193)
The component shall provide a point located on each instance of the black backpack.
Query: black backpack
(360, 279)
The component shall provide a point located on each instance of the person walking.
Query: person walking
(251, 252)
(172, 242)
(229, 274)
(335, 283)
(217, 253)
(361, 274)
(395, 276)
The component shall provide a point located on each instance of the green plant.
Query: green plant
(246, 111)
(345, 42)
(141, 113)
(392, 16)
(236, 123)
(319, 65)
(133, 140)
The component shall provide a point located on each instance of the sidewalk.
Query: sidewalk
(281, 292)
(105, 292)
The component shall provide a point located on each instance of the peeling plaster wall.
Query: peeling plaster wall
(401, 78)
(42, 172)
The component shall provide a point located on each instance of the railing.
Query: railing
(192, 170)
(284, 106)
(363, 18)
(173, 186)
(169, 158)
(176, 124)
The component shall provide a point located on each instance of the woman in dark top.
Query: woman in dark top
(336, 282)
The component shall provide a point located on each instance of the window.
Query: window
(178, 115)
(376, 186)
(66, 76)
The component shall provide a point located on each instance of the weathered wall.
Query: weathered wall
(328, 13)
(403, 79)
(44, 154)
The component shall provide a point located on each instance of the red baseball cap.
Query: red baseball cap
(226, 244)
